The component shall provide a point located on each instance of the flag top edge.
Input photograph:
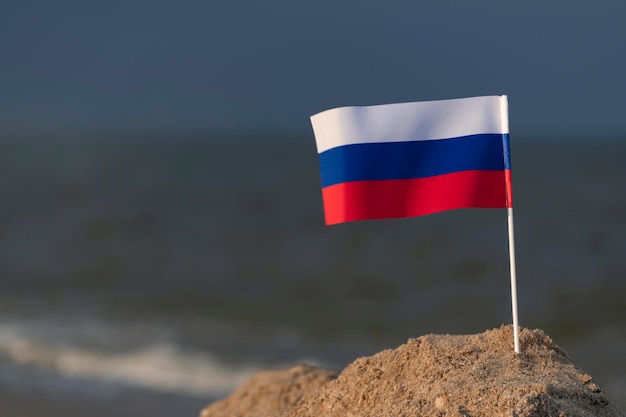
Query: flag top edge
(500, 96)
(409, 121)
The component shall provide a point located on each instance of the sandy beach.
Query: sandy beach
(23, 405)
(434, 375)
(59, 399)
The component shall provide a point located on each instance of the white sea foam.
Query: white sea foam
(159, 366)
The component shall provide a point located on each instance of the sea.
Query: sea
(151, 274)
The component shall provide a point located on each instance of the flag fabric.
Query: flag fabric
(412, 159)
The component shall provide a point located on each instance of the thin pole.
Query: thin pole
(513, 279)
(504, 119)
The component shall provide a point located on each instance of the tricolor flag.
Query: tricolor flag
(412, 159)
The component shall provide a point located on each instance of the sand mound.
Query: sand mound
(476, 375)
(269, 392)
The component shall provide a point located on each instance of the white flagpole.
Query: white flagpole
(513, 279)
(504, 117)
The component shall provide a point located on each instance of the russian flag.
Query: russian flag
(413, 159)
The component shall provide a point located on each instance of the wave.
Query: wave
(161, 366)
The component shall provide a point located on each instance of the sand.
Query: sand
(59, 399)
(434, 375)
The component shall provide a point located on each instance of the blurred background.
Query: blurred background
(161, 228)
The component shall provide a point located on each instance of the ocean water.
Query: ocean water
(166, 270)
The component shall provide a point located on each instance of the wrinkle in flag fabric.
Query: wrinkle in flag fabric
(413, 159)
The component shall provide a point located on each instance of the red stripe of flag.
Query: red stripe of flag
(361, 200)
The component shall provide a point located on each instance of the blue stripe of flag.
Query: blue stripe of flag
(416, 159)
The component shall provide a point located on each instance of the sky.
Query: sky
(261, 67)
